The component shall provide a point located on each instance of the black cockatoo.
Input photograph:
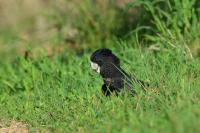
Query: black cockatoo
(116, 80)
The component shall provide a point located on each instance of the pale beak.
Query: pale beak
(95, 67)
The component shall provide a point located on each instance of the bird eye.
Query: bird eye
(100, 62)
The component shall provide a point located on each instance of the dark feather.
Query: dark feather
(115, 78)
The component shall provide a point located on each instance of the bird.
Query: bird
(115, 79)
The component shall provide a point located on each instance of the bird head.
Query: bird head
(103, 57)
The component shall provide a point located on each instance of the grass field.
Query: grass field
(62, 94)
(55, 90)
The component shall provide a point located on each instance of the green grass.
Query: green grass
(62, 94)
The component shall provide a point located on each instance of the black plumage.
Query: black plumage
(115, 78)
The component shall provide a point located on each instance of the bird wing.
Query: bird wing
(131, 79)
(120, 84)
